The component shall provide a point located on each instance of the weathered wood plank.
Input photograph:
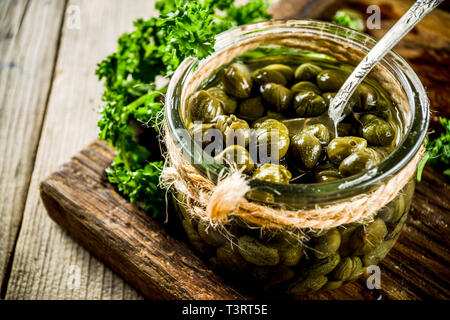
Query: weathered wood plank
(131, 242)
(79, 198)
(29, 33)
(47, 263)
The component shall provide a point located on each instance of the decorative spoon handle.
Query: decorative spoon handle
(413, 16)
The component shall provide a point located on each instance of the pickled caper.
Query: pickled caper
(340, 148)
(272, 172)
(307, 149)
(278, 96)
(237, 80)
(251, 109)
(204, 107)
(307, 71)
(236, 155)
(376, 131)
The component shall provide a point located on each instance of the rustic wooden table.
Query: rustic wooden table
(48, 96)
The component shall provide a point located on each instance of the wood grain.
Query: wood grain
(79, 198)
(131, 242)
(29, 33)
(47, 261)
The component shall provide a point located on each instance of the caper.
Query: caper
(195, 238)
(327, 244)
(237, 80)
(285, 70)
(251, 109)
(358, 162)
(309, 104)
(238, 156)
(331, 80)
(344, 270)
(327, 173)
(305, 86)
(318, 130)
(278, 96)
(307, 285)
(340, 148)
(229, 105)
(272, 137)
(366, 97)
(273, 275)
(233, 129)
(210, 235)
(307, 149)
(378, 253)
(272, 172)
(332, 285)
(323, 266)
(346, 238)
(263, 76)
(202, 134)
(203, 107)
(307, 71)
(368, 237)
(257, 253)
(346, 129)
(290, 251)
(376, 131)
(229, 257)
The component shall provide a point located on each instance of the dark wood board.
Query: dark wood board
(78, 197)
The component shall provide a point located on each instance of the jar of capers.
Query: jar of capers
(237, 108)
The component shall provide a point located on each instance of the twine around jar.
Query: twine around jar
(219, 203)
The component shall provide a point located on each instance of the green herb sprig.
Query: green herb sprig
(438, 151)
(154, 48)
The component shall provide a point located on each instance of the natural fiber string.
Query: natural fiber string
(218, 203)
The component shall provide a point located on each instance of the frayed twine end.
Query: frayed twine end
(228, 194)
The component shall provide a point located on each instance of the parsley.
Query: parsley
(438, 151)
(349, 18)
(154, 48)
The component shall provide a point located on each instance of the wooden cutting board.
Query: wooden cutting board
(145, 252)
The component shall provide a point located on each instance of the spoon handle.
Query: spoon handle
(413, 16)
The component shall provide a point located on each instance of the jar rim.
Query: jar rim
(312, 192)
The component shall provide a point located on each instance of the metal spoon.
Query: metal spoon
(412, 17)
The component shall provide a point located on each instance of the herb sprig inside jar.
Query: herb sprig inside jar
(240, 115)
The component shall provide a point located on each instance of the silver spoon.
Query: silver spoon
(412, 17)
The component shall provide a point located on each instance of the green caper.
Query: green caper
(346, 129)
(290, 251)
(285, 70)
(366, 238)
(323, 266)
(263, 76)
(378, 253)
(307, 285)
(332, 285)
(344, 269)
(305, 86)
(238, 156)
(278, 96)
(358, 162)
(366, 97)
(327, 173)
(204, 107)
(346, 236)
(257, 253)
(229, 257)
(272, 136)
(327, 244)
(251, 109)
(340, 148)
(318, 130)
(272, 172)
(307, 71)
(331, 80)
(376, 131)
(195, 238)
(229, 105)
(199, 132)
(273, 275)
(210, 235)
(309, 104)
(233, 129)
(358, 269)
(237, 80)
(275, 115)
(307, 149)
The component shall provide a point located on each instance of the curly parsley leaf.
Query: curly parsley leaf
(438, 151)
(155, 48)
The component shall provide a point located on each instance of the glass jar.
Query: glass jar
(309, 260)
